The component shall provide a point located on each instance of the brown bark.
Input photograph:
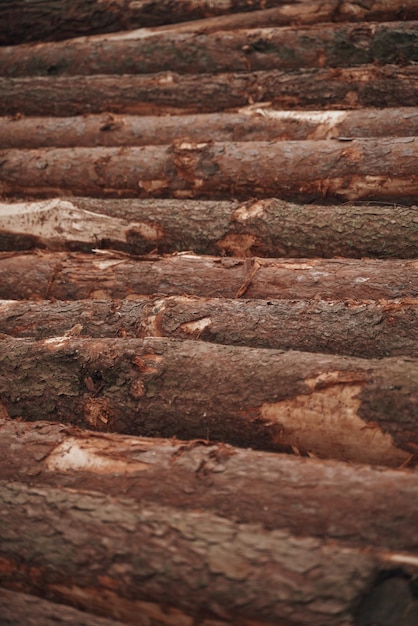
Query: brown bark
(362, 505)
(250, 124)
(325, 45)
(182, 566)
(106, 275)
(18, 609)
(331, 406)
(354, 328)
(307, 171)
(264, 228)
(366, 85)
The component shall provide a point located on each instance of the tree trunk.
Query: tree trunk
(331, 406)
(250, 124)
(353, 328)
(162, 93)
(180, 566)
(324, 45)
(362, 505)
(109, 275)
(265, 228)
(373, 169)
(17, 609)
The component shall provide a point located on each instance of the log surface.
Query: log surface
(109, 275)
(325, 45)
(168, 92)
(332, 406)
(305, 171)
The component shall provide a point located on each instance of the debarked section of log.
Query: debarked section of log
(329, 406)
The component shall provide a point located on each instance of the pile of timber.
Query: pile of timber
(209, 313)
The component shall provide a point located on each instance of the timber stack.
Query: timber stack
(209, 313)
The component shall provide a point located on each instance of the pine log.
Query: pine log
(302, 171)
(376, 508)
(323, 45)
(330, 406)
(249, 124)
(109, 275)
(354, 328)
(168, 92)
(264, 228)
(18, 609)
(119, 558)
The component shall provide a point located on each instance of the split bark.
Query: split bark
(325, 45)
(167, 92)
(107, 275)
(305, 171)
(250, 124)
(244, 486)
(330, 406)
(354, 328)
(17, 609)
(181, 566)
(264, 228)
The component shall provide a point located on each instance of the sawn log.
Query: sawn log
(306, 171)
(330, 406)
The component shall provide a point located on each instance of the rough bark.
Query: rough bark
(331, 406)
(107, 275)
(264, 228)
(304, 171)
(17, 609)
(167, 92)
(29, 20)
(250, 124)
(181, 566)
(353, 328)
(325, 45)
(362, 505)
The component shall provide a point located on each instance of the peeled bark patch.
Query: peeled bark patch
(244, 396)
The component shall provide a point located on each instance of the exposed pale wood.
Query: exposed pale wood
(267, 228)
(250, 124)
(356, 328)
(324, 45)
(107, 275)
(306, 171)
(332, 406)
(167, 92)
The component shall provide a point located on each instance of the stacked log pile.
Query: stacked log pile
(208, 314)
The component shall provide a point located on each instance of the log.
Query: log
(251, 123)
(20, 608)
(107, 275)
(244, 486)
(44, 20)
(119, 558)
(354, 328)
(265, 228)
(254, 49)
(167, 92)
(330, 406)
(114, 275)
(302, 171)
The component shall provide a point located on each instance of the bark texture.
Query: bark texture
(307, 171)
(61, 276)
(332, 45)
(168, 92)
(264, 228)
(330, 406)
(375, 509)
(250, 124)
(354, 328)
(178, 566)
(17, 609)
